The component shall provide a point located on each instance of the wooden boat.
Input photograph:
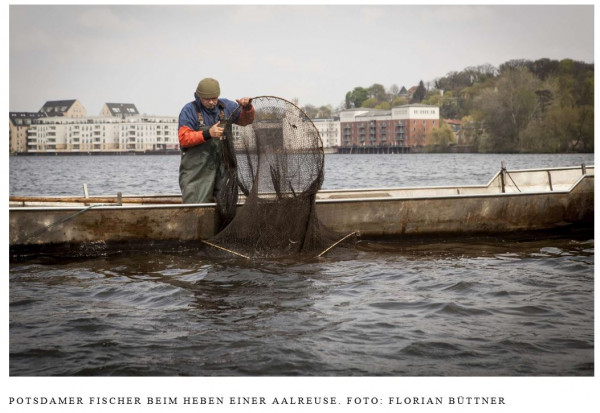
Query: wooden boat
(515, 200)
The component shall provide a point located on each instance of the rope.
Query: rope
(60, 221)
(335, 243)
(225, 249)
(513, 181)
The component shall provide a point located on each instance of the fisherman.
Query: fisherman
(201, 128)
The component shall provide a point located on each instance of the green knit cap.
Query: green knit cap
(208, 88)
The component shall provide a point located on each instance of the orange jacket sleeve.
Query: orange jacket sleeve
(189, 137)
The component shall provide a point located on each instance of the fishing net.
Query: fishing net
(277, 165)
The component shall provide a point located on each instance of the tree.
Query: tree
(509, 108)
(325, 112)
(473, 131)
(545, 68)
(393, 91)
(433, 98)
(369, 103)
(441, 137)
(355, 98)
(399, 101)
(515, 64)
(310, 111)
(419, 94)
(377, 92)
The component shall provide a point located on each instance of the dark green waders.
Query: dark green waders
(201, 172)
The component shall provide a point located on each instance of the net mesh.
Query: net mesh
(277, 165)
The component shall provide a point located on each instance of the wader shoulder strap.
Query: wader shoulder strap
(221, 113)
(200, 117)
(221, 106)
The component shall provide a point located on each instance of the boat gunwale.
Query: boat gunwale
(318, 201)
(104, 206)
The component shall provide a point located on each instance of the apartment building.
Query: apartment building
(404, 127)
(329, 129)
(19, 123)
(148, 133)
(103, 134)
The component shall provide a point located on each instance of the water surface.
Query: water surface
(511, 306)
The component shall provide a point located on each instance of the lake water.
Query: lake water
(507, 306)
(158, 174)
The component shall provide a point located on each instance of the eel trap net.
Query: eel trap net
(276, 164)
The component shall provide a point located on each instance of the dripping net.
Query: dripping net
(276, 166)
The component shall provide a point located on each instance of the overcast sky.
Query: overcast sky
(154, 56)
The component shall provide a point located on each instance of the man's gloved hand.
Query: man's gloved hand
(245, 103)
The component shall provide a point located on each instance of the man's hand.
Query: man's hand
(216, 131)
(244, 102)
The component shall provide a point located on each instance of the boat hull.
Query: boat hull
(488, 209)
(484, 214)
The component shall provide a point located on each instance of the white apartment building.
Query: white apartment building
(329, 129)
(148, 133)
(103, 134)
(17, 126)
